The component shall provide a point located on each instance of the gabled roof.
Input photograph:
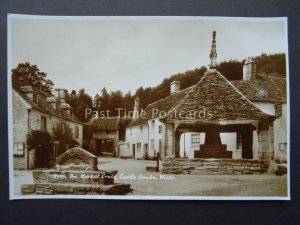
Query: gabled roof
(225, 99)
(265, 88)
(41, 104)
(218, 97)
(105, 124)
(165, 104)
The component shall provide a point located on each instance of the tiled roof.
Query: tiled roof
(225, 99)
(263, 88)
(106, 124)
(219, 98)
(41, 104)
(165, 104)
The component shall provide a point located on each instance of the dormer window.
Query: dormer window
(35, 98)
(43, 123)
(261, 93)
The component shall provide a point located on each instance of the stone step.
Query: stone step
(212, 154)
(75, 189)
(81, 177)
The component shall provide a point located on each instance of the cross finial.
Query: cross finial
(213, 53)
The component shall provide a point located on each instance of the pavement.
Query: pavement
(157, 184)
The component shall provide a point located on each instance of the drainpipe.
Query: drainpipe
(28, 130)
(147, 151)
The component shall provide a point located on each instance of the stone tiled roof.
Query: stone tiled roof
(41, 104)
(225, 99)
(263, 89)
(215, 95)
(105, 124)
(165, 104)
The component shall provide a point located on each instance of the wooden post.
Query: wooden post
(157, 162)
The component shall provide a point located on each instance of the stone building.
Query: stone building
(215, 118)
(104, 133)
(34, 110)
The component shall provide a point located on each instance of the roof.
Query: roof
(41, 104)
(225, 99)
(105, 124)
(216, 98)
(165, 104)
(264, 88)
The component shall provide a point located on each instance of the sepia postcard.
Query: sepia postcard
(172, 108)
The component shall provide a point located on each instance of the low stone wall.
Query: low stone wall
(212, 166)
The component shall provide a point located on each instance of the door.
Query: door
(41, 157)
(133, 151)
(98, 147)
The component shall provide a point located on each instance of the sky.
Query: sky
(125, 53)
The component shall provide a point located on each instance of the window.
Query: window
(152, 144)
(55, 148)
(138, 146)
(152, 124)
(76, 132)
(238, 140)
(141, 128)
(195, 142)
(35, 98)
(159, 146)
(282, 146)
(43, 123)
(160, 129)
(64, 127)
(19, 148)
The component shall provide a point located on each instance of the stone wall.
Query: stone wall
(20, 128)
(213, 166)
(26, 119)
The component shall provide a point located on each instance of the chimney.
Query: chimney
(175, 87)
(65, 107)
(249, 69)
(60, 94)
(136, 109)
(52, 101)
(213, 53)
(28, 91)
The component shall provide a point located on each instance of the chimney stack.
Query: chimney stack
(213, 53)
(52, 101)
(136, 109)
(60, 94)
(175, 87)
(28, 91)
(249, 69)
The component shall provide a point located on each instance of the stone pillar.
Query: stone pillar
(265, 140)
(177, 145)
(170, 140)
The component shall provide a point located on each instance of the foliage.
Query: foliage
(64, 134)
(37, 139)
(232, 69)
(80, 102)
(122, 128)
(271, 64)
(31, 75)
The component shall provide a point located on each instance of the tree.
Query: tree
(31, 75)
(64, 134)
(232, 69)
(80, 102)
(271, 64)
